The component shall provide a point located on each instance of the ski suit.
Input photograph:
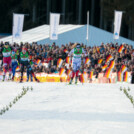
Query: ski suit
(14, 64)
(24, 61)
(76, 61)
(6, 60)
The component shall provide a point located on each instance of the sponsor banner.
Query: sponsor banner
(43, 77)
(54, 24)
(117, 24)
(18, 20)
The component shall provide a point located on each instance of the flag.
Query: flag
(125, 51)
(54, 24)
(100, 61)
(83, 77)
(69, 74)
(109, 58)
(123, 68)
(112, 48)
(108, 73)
(62, 70)
(117, 24)
(59, 62)
(119, 76)
(104, 67)
(126, 76)
(87, 61)
(91, 74)
(38, 61)
(121, 49)
(18, 20)
(68, 60)
(98, 50)
(65, 50)
(17, 68)
(112, 64)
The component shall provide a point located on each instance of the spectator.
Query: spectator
(49, 55)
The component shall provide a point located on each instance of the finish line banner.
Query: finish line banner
(117, 24)
(54, 24)
(18, 20)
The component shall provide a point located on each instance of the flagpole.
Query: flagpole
(49, 28)
(114, 28)
(12, 39)
(87, 39)
(12, 28)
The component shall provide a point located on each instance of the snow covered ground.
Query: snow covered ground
(57, 108)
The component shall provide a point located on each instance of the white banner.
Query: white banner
(54, 24)
(117, 24)
(18, 20)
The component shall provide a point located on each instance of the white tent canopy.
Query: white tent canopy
(39, 33)
(69, 33)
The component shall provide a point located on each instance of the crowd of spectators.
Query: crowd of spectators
(49, 54)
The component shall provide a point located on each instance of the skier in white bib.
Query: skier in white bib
(76, 61)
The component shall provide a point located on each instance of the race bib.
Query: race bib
(24, 59)
(7, 54)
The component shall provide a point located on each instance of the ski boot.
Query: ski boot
(76, 80)
(70, 81)
(3, 78)
(13, 78)
(9, 78)
(21, 80)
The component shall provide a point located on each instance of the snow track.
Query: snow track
(57, 108)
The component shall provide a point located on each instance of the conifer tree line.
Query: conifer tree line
(72, 12)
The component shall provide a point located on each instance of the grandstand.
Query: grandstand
(68, 33)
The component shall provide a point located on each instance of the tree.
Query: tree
(121, 5)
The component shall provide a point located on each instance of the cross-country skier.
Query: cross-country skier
(14, 63)
(6, 51)
(24, 61)
(77, 52)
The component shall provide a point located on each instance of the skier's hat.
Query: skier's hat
(6, 43)
(78, 46)
(24, 49)
(13, 52)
